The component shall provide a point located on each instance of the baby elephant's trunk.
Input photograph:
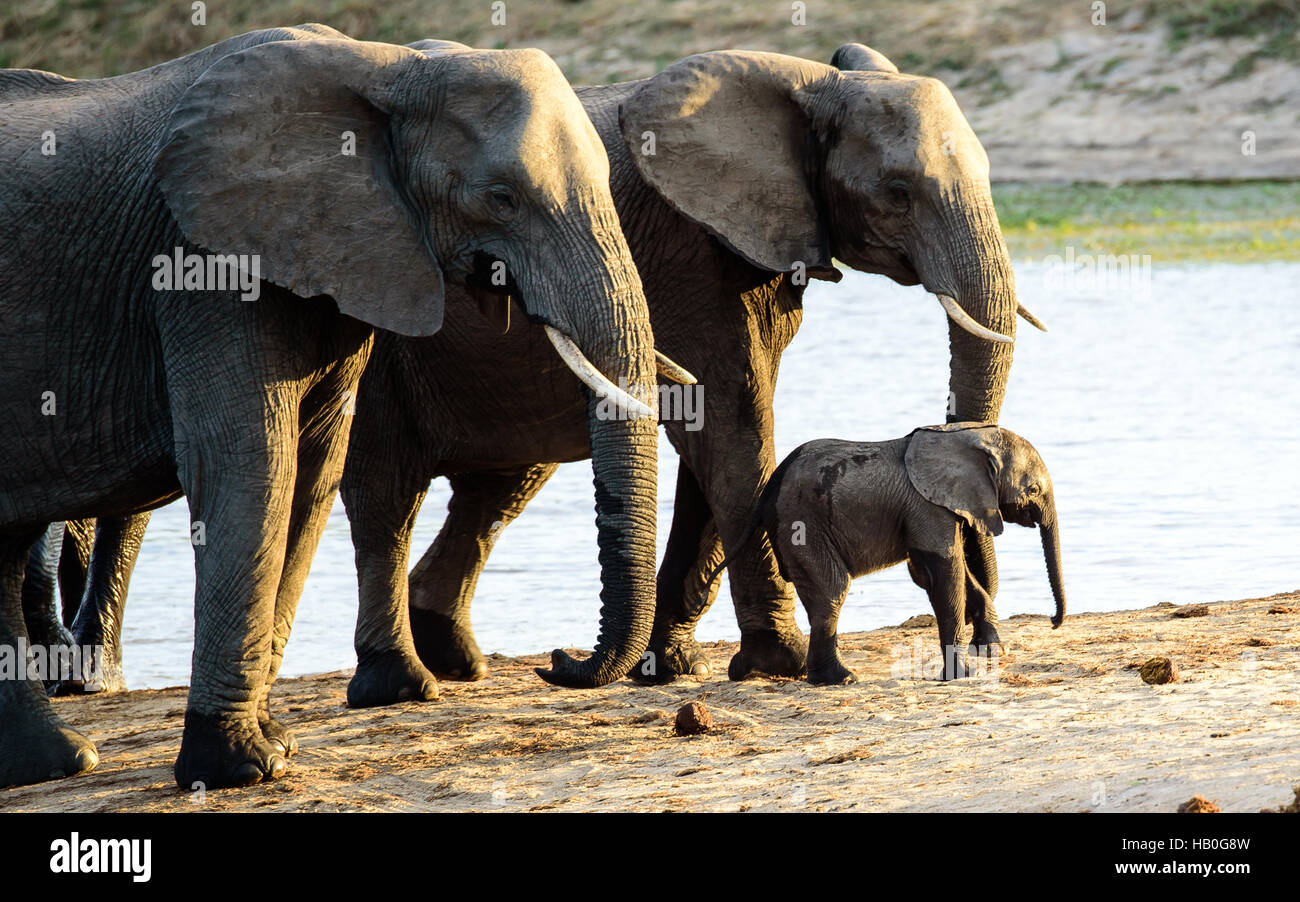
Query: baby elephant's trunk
(1048, 530)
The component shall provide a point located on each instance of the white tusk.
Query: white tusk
(1030, 318)
(593, 378)
(963, 319)
(673, 371)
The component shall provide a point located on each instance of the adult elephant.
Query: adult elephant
(360, 180)
(734, 173)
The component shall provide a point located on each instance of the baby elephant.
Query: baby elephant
(834, 510)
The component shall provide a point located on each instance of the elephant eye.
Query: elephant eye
(899, 196)
(503, 202)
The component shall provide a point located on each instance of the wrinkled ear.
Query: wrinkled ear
(282, 151)
(726, 138)
(861, 58)
(958, 467)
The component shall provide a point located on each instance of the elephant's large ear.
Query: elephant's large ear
(282, 151)
(861, 58)
(958, 466)
(727, 138)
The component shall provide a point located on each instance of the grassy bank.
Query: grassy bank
(1186, 222)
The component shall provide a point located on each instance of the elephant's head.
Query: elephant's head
(985, 475)
(374, 174)
(793, 163)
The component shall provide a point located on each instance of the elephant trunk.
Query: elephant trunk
(624, 460)
(985, 288)
(1050, 534)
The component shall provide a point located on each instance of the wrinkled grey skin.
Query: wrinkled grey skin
(835, 510)
(243, 407)
(91, 563)
(490, 411)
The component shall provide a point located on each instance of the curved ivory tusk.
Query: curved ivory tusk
(963, 319)
(1030, 318)
(593, 378)
(673, 371)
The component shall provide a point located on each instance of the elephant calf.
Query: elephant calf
(834, 510)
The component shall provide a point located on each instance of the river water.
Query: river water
(1165, 401)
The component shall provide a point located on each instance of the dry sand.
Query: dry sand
(1066, 724)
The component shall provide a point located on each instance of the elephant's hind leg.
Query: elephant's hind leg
(442, 583)
(35, 745)
(822, 594)
(99, 617)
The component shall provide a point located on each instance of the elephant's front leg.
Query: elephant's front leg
(982, 564)
(442, 583)
(239, 485)
(35, 744)
(943, 576)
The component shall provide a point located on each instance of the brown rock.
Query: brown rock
(1192, 610)
(1158, 671)
(918, 620)
(1281, 609)
(1199, 805)
(693, 718)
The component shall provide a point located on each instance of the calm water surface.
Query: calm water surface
(1167, 408)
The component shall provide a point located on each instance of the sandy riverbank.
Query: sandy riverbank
(1066, 724)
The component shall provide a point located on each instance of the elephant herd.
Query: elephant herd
(398, 203)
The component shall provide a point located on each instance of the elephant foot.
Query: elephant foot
(36, 746)
(954, 665)
(108, 680)
(277, 734)
(666, 660)
(446, 647)
(830, 672)
(769, 653)
(218, 752)
(389, 678)
(985, 639)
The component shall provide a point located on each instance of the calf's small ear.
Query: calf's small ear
(957, 467)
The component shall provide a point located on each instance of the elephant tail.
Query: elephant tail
(761, 519)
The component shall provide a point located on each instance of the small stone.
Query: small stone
(693, 718)
(926, 620)
(1193, 610)
(1158, 671)
(1199, 805)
